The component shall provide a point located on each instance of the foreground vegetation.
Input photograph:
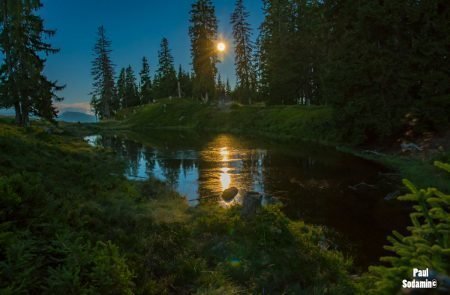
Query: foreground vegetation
(427, 245)
(70, 221)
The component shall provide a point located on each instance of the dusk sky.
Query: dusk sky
(135, 28)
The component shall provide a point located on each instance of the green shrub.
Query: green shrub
(270, 253)
(426, 246)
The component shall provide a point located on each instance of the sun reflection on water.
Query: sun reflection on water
(225, 178)
(225, 153)
(226, 161)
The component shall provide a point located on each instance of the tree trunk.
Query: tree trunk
(18, 113)
(107, 113)
(25, 115)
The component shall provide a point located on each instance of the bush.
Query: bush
(426, 246)
(269, 253)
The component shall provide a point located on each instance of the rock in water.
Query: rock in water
(229, 194)
(251, 203)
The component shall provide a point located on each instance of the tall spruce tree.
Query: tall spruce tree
(243, 47)
(184, 78)
(24, 86)
(145, 84)
(121, 88)
(131, 89)
(220, 87)
(103, 75)
(292, 51)
(166, 77)
(308, 50)
(276, 42)
(203, 34)
(228, 88)
(260, 64)
(95, 106)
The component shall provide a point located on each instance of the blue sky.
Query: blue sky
(135, 28)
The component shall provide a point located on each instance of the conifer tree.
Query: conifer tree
(145, 82)
(425, 246)
(185, 82)
(115, 102)
(203, 34)
(166, 77)
(131, 89)
(245, 73)
(95, 105)
(24, 86)
(260, 66)
(276, 42)
(103, 75)
(220, 87)
(121, 88)
(228, 88)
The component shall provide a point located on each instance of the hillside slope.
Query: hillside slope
(280, 122)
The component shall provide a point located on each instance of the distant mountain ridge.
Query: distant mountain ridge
(71, 116)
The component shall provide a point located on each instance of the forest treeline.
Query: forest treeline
(383, 66)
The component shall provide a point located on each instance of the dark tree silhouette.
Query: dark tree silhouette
(243, 47)
(203, 33)
(103, 75)
(23, 84)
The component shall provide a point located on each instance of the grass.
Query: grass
(420, 171)
(70, 222)
(287, 123)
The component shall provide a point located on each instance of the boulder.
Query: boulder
(229, 194)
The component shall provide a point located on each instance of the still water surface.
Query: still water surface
(316, 184)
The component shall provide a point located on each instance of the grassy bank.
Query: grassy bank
(70, 222)
(293, 123)
(419, 170)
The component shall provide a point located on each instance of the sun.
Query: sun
(221, 46)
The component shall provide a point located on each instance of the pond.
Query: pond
(316, 184)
